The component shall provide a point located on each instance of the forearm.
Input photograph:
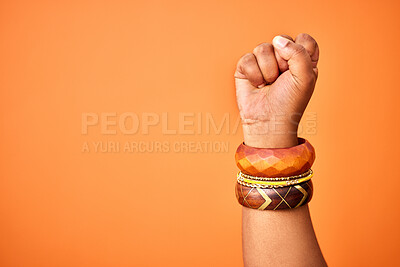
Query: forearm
(281, 237)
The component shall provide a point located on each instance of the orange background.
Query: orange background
(62, 207)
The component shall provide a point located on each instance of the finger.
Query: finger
(266, 60)
(247, 68)
(298, 59)
(282, 64)
(310, 45)
(287, 37)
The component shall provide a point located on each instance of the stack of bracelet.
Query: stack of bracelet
(277, 178)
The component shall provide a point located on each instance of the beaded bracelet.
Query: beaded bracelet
(248, 180)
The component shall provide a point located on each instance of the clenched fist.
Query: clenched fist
(273, 86)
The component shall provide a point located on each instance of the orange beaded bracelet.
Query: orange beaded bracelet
(275, 162)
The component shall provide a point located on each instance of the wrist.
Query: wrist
(270, 137)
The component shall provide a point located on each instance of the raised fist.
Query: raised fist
(273, 86)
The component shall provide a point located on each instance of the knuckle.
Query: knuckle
(306, 38)
(244, 62)
(246, 59)
(298, 50)
(263, 48)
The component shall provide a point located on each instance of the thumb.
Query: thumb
(299, 61)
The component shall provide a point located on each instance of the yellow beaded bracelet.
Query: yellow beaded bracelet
(254, 181)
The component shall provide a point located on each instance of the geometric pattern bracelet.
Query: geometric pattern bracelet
(288, 197)
(253, 181)
(275, 162)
